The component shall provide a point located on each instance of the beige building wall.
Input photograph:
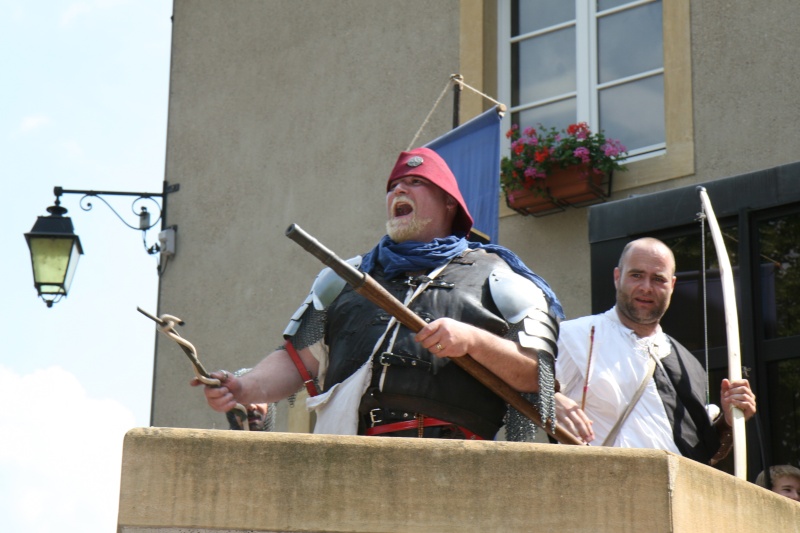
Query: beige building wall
(293, 111)
(282, 112)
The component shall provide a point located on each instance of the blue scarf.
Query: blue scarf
(411, 256)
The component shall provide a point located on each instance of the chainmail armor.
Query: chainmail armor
(518, 427)
(311, 328)
(310, 331)
(269, 420)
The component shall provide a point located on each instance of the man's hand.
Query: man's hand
(737, 394)
(572, 418)
(517, 366)
(446, 337)
(221, 398)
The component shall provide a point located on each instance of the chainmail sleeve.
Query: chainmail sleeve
(309, 332)
(311, 329)
(272, 407)
(519, 428)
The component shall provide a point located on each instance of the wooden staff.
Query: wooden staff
(364, 285)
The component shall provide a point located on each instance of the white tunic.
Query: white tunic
(619, 363)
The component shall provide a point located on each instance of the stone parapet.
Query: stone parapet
(181, 480)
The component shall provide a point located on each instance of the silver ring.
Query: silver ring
(439, 347)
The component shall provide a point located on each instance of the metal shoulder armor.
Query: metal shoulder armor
(523, 304)
(324, 290)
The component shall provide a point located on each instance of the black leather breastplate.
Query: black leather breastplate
(416, 380)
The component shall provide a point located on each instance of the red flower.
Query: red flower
(572, 129)
(541, 154)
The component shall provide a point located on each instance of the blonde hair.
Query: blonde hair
(775, 472)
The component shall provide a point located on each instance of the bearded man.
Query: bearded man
(634, 364)
(377, 376)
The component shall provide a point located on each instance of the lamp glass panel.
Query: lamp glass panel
(74, 255)
(51, 259)
(51, 289)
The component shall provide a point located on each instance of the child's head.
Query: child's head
(785, 480)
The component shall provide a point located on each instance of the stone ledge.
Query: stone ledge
(204, 480)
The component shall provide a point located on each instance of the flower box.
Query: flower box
(548, 170)
(526, 202)
(575, 186)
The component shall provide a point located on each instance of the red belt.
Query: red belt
(418, 423)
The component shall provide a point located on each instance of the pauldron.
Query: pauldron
(524, 305)
(324, 290)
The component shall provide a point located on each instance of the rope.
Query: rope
(425, 122)
(702, 217)
(456, 79)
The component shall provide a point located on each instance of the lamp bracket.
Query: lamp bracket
(137, 203)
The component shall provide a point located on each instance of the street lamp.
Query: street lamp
(55, 248)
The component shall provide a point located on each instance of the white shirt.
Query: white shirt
(618, 366)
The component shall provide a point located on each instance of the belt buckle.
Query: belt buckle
(374, 415)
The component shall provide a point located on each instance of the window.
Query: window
(780, 282)
(621, 66)
(600, 63)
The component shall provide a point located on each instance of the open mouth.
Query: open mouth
(401, 209)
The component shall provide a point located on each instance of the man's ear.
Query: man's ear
(617, 274)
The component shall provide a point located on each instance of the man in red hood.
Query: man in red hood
(378, 377)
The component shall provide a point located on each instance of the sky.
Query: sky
(84, 106)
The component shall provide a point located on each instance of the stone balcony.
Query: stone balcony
(186, 480)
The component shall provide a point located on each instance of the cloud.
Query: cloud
(60, 454)
(78, 9)
(33, 122)
(72, 12)
(71, 149)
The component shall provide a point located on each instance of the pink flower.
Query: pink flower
(582, 153)
(612, 148)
